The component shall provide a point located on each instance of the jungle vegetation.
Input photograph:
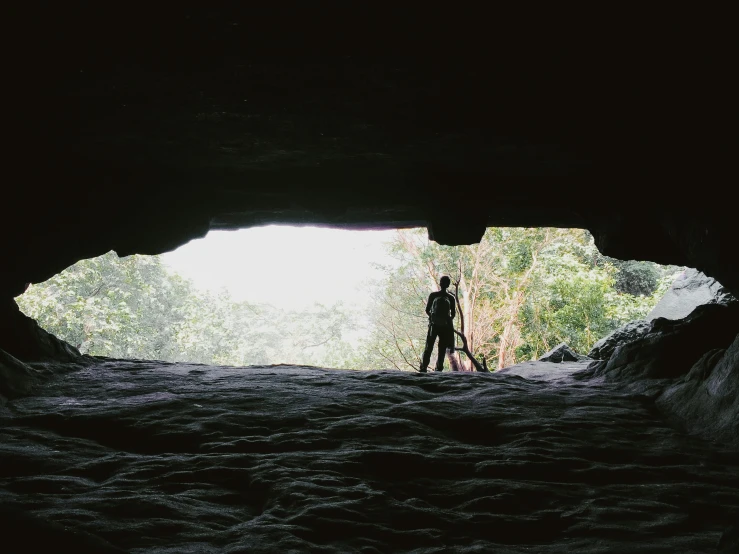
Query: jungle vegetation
(521, 291)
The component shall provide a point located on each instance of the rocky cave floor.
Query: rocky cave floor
(155, 457)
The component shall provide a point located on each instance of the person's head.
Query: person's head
(444, 282)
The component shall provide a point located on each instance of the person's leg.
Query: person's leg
(430, 340)
(446, 340)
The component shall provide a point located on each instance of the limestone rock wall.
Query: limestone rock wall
(690, 290)
(136, 131)
(23, 338)
(707, 400)
(689, 366)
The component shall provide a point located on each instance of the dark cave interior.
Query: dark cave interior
(138, 130)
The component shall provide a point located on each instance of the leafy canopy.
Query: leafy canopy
(520, 292)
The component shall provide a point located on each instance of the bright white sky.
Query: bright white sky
(288, 267)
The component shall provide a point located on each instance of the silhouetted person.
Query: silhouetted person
(441, 311)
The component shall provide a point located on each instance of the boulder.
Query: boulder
(690, 290)
(689, 366)
(670, 349)
(561, 353)
(603, 349)
(706, 401)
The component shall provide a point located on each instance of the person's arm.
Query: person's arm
(428, 304)
(453, 302)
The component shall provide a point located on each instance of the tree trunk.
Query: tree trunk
(465, 315)
(505, 340)
(508, 339)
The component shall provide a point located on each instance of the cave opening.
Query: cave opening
(347, 299)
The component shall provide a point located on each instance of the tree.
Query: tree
(112, 307)
(397, 320)
(520, 291)
(134, 308)
(636, 278)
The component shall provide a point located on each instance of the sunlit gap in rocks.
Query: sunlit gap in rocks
(346, 299)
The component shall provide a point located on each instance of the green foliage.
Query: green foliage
(397, 322)
(637, 278)
(522, 290)
(134, 308)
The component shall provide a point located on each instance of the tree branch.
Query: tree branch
(478, 366)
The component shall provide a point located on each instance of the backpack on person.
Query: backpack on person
(441, 311)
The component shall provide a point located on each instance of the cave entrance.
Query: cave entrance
(345, 299)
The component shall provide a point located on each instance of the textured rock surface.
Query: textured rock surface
(23, 338)
(632, 331)
(671, 348)
(187, 458)
(707, 400)
(690, 366)
(690, 290)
